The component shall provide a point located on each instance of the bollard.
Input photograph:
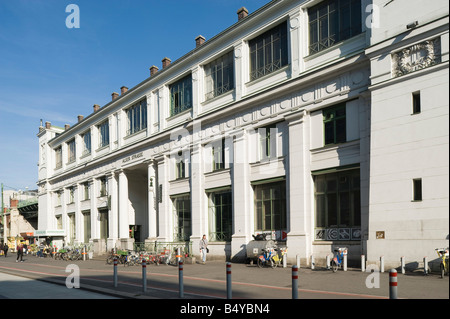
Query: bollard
(393, 284)
(144, 275)
(425, 266)
(295, 282)
(180, 278)
(84, 253)
(313, 263)
(363, 263)
(382, 264)
(285, 260)
(402, 259)
(115, 272)
(298, 261)
(178, 255)
(328, 262)
(345, 262)
(228, 280)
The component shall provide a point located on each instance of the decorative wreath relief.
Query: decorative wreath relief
(416, 57)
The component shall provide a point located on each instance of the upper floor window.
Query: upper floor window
(218, 153)
(180, 169)
(335, 126)
(332, 21)
(137, 117)
(103, 186)
(268, 141)
(86, 142)
(268, 52)
(58, 157)
(71, 151)
(181, 95)
(103, 130)
(219, 76)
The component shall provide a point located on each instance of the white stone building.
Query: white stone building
(275, 125)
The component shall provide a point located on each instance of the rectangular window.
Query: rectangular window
(268, 52)
(268, 141)
(104, 225)
(219, 76)
(338, 205)
(71, 151)
(103, 130)
(218, 152)
(334, 122)
(417, 189)
(58, 198)
(87, 226)
(103, 186)
(180, 169)
(182, 218)
(86, 192)
(86, 143)
(270, 206)
(71, 228)
(59, 224)
(416, 102)
(220, 207)
(71, 195)
(332, 21)
(181, 95)
(137, 117)
(58, 157)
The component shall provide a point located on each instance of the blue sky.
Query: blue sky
(53, 73)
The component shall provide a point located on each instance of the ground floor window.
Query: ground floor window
(220, 208)
(71, 228)
(87, 226)
(338, 205)
(182, 218)
(270, 206)
(104, 227)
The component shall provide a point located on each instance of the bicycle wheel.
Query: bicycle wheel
(273, 264)
(260, 262)
(334, 266)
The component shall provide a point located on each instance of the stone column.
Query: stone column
(152, 201)
(123, 210)
(113, 207)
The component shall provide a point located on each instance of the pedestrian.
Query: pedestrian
(20, 253)
(5, 249)
(204, 248)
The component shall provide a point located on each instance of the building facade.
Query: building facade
(277, 125)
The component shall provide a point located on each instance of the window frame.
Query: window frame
(103, 134)
(330, 115)
(220, 215)
(221, 68)
(180, 95)
(260, 216)
(136, 116)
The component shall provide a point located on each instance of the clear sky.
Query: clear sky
(55, 73)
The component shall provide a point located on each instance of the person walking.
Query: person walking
(204, 248)
(20, 253)
(5, 249)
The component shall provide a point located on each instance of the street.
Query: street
(209, 281)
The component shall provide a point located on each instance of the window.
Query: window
(71, 195)
(103, 130)
(181, 95)
(104, 224)
(58, 198)
(71, 151)
(268, 52)
(103, 186)
(218, 152)
(86, 191)
(338, 205)
(219, 76)
(220, 207)
(71, 228)
(59, 222)
(87, 226)
(270, 205)
(182, 218)
(58, 157)
(180, 169)
(417, 189)
(137, 117)
(334, 121)
(268, 141)
(416, 102)
(332, 21)
(86, 142)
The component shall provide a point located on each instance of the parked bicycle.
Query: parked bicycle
(338, 259)
(267, 258)
(280, 255)
(443, 256)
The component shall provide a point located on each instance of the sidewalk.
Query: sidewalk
(209, 281)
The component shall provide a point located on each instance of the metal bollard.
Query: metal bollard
(180, 278)
(295, 282)
(229, 281)
(363, 263)
(285, 260)
(178, 255)
(84, 253)
(345, 262)
(425, 266)
(382, 264)
(402, 259)
(115, 272)
(144, 276)
(313, 263)
(298, 261)
(393, 284)
(328, 262)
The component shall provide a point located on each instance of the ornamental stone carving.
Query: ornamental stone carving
(416, 57)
